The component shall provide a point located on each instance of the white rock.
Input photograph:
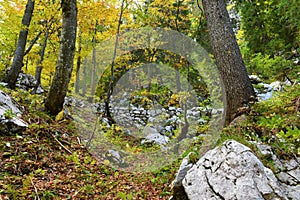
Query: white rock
(276, 86)
(153, 136)
(254, 78)
(231, 171)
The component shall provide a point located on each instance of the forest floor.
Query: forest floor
(48, 161)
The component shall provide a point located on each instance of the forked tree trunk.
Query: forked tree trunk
(64, 67)
(228, 57)
(12, 75)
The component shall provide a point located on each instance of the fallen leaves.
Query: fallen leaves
(35, 165)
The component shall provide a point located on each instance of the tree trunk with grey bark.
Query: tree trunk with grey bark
(228, 57)
(12, 75)
(39, 66)
(77, 82)
(110, 87)
(64, 67)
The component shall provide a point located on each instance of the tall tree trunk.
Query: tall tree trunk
(13, 73)
(228, 57)
(94, 65)
(39, 67)
(78, 66)
(84, 77)
(110, 87)
(64, 66)
(93, 73)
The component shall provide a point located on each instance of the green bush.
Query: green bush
(270, 68)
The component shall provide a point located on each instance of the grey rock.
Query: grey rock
(115, 157)
(179, 110)
(151, 119)
(27, 82)
(12, 123)
(171, 108)
(160, 129)
(286, 171)
(183, 169)
(267, 87)
(254, 79)
(287, 82)
(201, 121)
(177, 183)
(169, 128)
(69, 101)
(3, 84)
(216, 111)
(231, 171)
(7, 103)
(266, 150)
(238, 121)
(265, 96)
(40, 90)
(276, 86)
(172, 119)
(67, 114)
(289, 176)
(153, 136)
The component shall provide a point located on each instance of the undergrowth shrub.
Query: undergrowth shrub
(271, 68)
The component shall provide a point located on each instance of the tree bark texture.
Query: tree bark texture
(64, 67)
(12, 75)
(237, 85)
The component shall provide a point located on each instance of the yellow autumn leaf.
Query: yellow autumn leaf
(60, 116)
(118, 128)
(106, 162)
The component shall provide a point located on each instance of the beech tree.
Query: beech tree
(237, 85)
(13, 73)
(64, 67)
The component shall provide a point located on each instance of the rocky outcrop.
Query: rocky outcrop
(10, 112)
(28, 82)
(286, 171)
(264, 91)
(232, 171)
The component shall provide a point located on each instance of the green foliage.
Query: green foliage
(272, 68)
(125, 196)
(274, 122)
(291, 135)
(74, 158)
(48, 194)
(270, 26)
(171, 14)
(9, 114)
(267, 28)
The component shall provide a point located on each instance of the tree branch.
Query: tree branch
(32, 43)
